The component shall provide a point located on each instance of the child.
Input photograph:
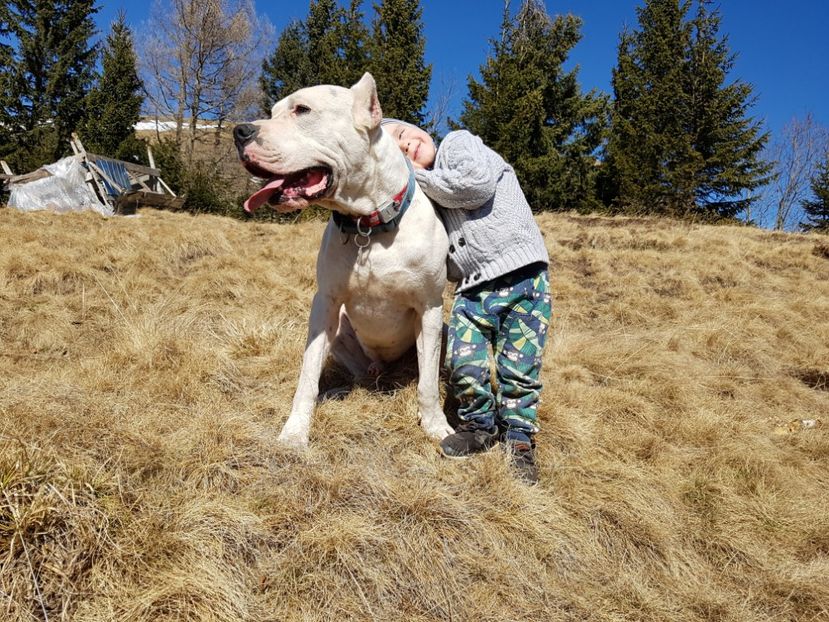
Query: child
(498, 259)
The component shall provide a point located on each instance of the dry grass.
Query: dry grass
(147, 364)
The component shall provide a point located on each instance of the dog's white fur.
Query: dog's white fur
(372, 304)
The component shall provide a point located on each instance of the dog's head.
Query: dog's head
(315, 148)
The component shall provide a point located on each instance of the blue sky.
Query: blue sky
(782, 48)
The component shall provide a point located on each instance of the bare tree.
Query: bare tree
(437, 117)
(795, 154)
(200, 62)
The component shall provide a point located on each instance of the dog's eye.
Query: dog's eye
(301, 109)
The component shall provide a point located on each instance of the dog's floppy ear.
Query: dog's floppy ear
(367, 111)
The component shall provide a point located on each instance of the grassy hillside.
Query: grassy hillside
(147, 364)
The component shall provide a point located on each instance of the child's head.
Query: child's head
(415, 144)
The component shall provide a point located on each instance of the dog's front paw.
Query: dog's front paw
(294, 436)
(436, 428)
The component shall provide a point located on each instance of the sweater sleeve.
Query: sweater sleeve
(464, 176)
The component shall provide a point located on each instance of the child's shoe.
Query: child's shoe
(521, 448)
(468, 439)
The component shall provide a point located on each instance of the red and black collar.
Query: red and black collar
(384, 219)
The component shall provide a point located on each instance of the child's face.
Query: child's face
(415, 144)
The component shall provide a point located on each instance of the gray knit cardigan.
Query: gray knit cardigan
(490, 225)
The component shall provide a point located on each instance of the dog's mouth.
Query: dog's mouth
(289, 191)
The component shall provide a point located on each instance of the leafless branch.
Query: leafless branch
(796, 153)
(200, 61)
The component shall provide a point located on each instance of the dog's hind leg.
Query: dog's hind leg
(347, 350)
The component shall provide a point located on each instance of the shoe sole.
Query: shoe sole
(465, 456)
(458, 457)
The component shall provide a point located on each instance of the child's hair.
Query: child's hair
(389, 120)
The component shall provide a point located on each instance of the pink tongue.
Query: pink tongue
(314, 179)
(256, 200)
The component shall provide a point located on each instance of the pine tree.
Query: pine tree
(681, 142)
(6, 90)
(49, 73)
(323, 31)
(288, 68)
(817, 209)
(532, 112)
(396, 51)
(336, 42)
(649, 147)
(353, 40)
(726, 141)
(327, 48)
(114, 105)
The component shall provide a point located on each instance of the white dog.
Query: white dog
(381, 269)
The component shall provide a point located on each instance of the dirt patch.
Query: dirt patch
(821, 249)
(813, 378)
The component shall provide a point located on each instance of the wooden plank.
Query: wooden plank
(129, 202)
(170, 190)
(27, 177)
(142, 181)
(80, 153)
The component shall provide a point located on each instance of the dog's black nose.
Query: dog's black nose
(244, 133)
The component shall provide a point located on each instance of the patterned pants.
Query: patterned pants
(511, 314)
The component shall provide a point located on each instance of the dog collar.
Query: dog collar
(384, 219)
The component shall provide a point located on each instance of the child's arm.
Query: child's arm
(465, 173)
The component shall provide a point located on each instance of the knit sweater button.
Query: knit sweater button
(451, 248)
(461, 242)
(477, 276)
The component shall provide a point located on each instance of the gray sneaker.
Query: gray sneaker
(468, 439)
(522, 457)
